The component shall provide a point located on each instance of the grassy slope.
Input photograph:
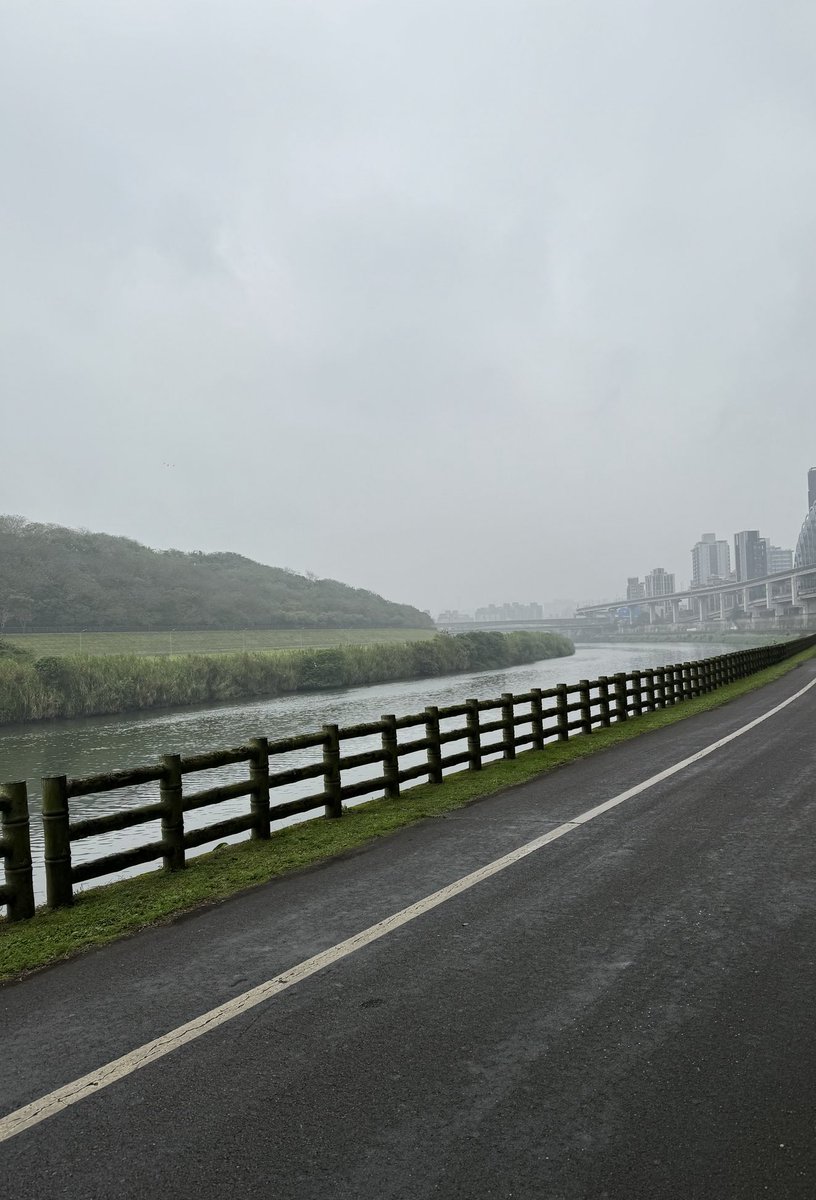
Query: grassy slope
(107, 913)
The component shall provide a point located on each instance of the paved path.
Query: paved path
(625, 1013)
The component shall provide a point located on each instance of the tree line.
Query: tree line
(58, 579)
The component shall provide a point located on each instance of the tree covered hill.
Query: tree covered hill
(61, 579)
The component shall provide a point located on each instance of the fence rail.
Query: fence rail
(545, 715)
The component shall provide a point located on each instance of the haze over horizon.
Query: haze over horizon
(460, 302)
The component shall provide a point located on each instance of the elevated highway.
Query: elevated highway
(779, 593)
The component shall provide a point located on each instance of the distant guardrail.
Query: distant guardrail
(546, 715)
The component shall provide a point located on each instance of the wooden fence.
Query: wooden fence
(501, 726)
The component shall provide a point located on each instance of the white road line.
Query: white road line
(91, 1084)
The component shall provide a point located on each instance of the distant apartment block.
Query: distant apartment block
(777, 559)
(635, 588)
(452, 616)
(710, 561)
(750, 555)
(659, 583)
(510, 612)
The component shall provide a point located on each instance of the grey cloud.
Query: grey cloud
(460, 301)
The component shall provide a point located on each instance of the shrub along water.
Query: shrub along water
(83, 686)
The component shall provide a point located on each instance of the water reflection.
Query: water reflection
(85, 747)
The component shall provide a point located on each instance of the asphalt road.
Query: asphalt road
(625, 1013)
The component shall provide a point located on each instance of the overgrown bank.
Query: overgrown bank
(82, 686)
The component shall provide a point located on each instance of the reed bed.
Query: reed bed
(85, 685)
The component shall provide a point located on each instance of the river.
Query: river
(97, 744)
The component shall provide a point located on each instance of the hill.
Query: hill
(62, 579)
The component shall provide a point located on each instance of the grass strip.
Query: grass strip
(104, 914)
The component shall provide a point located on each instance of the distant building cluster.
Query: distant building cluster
(510, 612)
(513, 611)
(754, 557)
(657, 583)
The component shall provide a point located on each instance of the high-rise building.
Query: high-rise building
(710, 559)
(811, 488)
(659, 583)
(635, 590)
(778, 559)
(750, 554)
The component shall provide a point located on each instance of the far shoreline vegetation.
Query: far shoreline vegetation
(60, 579)
(35, 689)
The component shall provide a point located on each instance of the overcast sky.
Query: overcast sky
(461, 301)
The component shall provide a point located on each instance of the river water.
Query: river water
(98, 744)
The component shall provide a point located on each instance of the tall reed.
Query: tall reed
(85, 685)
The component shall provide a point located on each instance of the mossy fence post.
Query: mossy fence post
(172, 819)
(537, 719)
(332, 785)
(390, 750)
(57, 837)
(562, 712)
(603, 701)
(649, 676)
(585, 711)
(16, 849)
(434, 745)
(621, 699)
(259, 783)
(637, 693)
(508, 726)
(474, 737)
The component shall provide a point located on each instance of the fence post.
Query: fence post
(58, 886)
(660, 687)
(537, 715)
(668, 684)
(603, 700)
(561, 716)
(694, 678)
(390, 749)
(434, 744)
(621, 704)
(172, 821)
(17, 850)
(650, 690)
(259, 782)
(508, 727)
(585, 710)
(637, 698)
(474, 741)
(332, 785)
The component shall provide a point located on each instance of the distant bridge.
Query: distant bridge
(571, 626)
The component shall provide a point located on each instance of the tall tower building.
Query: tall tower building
(811, 488)
(659, 582)
(710, 559)
(750, 553)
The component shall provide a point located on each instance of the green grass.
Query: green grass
(212, 641)
(106, 913)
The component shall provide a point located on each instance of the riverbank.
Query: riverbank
(84, 685)
(107, 913)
